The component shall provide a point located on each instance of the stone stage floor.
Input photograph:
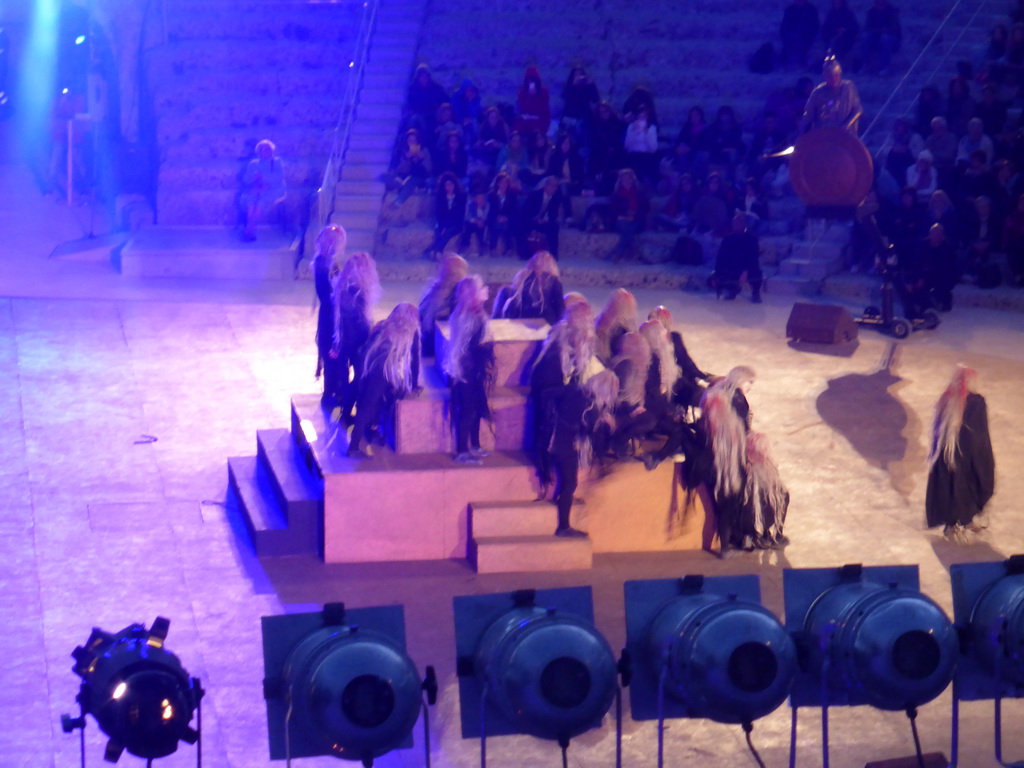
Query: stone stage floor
(101, 526)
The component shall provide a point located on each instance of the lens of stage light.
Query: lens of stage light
(892, 646)
(550, 673)
(368, 701)
(727, 660)
(140, 695)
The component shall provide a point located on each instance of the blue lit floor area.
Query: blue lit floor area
(123, 399)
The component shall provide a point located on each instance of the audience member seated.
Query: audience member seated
(514, 160)
(640, 97)
(538, 229)
(468, 110)
(798, 31)
(478, 212)
(713, 208)
(840, 29)
(449, 213)
(767, 140)
(566, 163)
(536, 292)
(903, 147)
(940, 210)
(641, 145)
(984, 236)
(677, 212)
(263, 188)
(943, 146)
(689, 154)
(937, 264)
(724, 141)
(422, 100)
(451, 157)
(444, 126)
(929, 106)
(1013, 242)
(922, 177)
(606, 148)
(904, 224)
(973, 140)
(539, 156)
(881, 37)
(503, 211)
(491, 138)
(629, 208)
(991, 110)
(580, 98)
(959, 105)
(533, 105)
(411, 168)
(738, 255)
(788, 105)
(755, 206)
(973, 181)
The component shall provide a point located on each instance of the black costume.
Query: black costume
(569, 403)
(377, 396)
(680, 435)
(330, 366)
(956, 496)
(687, 391)
(353, 329)
(469, 394)
(437, 303)
(542, 296)
(546, 383)
(540, 215)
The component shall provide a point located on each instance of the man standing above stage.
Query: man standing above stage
(834, 103)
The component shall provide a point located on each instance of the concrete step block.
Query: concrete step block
(295, 485)
(214, 253)
(268, 529)
(512, 518)
(526, 554)
(423, 422)
(516, 345)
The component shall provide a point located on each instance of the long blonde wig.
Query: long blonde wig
(574, 334)
(637, 351)
(727, 434)
(949, 415)
(395, 340)
(620, 311)
(764, 485)
(468, 318)
(358, 278)
(661, 348)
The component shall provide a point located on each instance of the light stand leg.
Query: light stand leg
(199, 731)
(661, 717)
(618, 727)
(426, 734)
(483, 727)
(954, 736)
(792, 740)
(824, 713)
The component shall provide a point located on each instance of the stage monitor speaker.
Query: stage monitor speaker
(820, 324)
(931, 760)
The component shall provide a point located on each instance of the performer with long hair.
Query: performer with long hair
(567, 356)
(390, 371)
(689, 387)
(662, 378)
(619, 316)
(632, 366)
(439, 299)
(328, 253)
(723, 425)
(469, 364)
(356, 293)
(536, 291)
(961, 475)
(765, 498)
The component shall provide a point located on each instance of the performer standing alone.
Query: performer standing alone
(330, 251)
(961, 477)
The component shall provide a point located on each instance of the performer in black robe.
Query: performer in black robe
(439, 299)
(722, 462)
(329, 251)
(662, 376)
(765, 498)
(565, 357)
(632, 420)
(356, 291)
(390, 371)
(961, 478)
(536, 291)
(581, 426)
(469, 364)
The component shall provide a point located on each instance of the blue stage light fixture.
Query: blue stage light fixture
(137, 690)
(988, 608)
(532, 663)
(705, 648)
(339, 682)
(866, 636)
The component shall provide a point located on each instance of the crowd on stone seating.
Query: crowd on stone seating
(949, 192)
(507, 176)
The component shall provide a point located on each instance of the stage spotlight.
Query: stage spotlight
(339, 682)
(866, 636)
(712, 647)
(988, 608)
(532, 662)
(705, 648)
(137, 691)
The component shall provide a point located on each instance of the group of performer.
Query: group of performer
(603, 388)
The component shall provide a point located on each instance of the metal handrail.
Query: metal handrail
(343, 130)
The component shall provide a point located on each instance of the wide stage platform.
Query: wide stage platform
(411, 501)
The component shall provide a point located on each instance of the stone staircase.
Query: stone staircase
(516, 536)
(360, 189)
(235, 72)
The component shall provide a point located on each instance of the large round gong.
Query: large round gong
(830, 167)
